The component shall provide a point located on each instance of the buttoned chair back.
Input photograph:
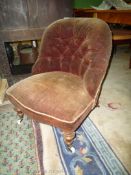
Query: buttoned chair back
(81, 46)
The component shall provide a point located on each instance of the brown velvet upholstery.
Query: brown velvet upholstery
(70, 68)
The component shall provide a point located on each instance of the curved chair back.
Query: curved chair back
(80, 46)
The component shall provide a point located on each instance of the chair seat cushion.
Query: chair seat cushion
(57, 95)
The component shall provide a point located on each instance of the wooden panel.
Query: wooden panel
(13, 14)
(23, 14)
(43, 12)
(26, 19)
(20, 35)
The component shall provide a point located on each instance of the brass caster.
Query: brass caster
(72, 149)
(68, 139)
(19, 121)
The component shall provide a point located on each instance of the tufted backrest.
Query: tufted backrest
(81, 46)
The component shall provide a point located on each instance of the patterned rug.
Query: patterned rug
(17, 146)
(93, 156)
(19, 156)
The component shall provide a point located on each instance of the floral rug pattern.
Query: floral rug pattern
(17, 146)
(93, 156)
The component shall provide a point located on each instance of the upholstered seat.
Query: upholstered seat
(56, 96)
(70, 68)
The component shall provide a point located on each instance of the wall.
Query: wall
(86, 3)
(89, 3)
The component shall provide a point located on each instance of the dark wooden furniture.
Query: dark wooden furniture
(22, 20)
(26, 19)
(119, 36)
(110, 16)
(70, 69)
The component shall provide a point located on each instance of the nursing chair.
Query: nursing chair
(67, 76)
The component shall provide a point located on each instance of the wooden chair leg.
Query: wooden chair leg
(130, 63)
(130, 57)
(20, 114)
(114, 49)
(68, 138)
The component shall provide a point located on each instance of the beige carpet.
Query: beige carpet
(113, 117)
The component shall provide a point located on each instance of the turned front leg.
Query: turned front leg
(68, 138)
(20, 114)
